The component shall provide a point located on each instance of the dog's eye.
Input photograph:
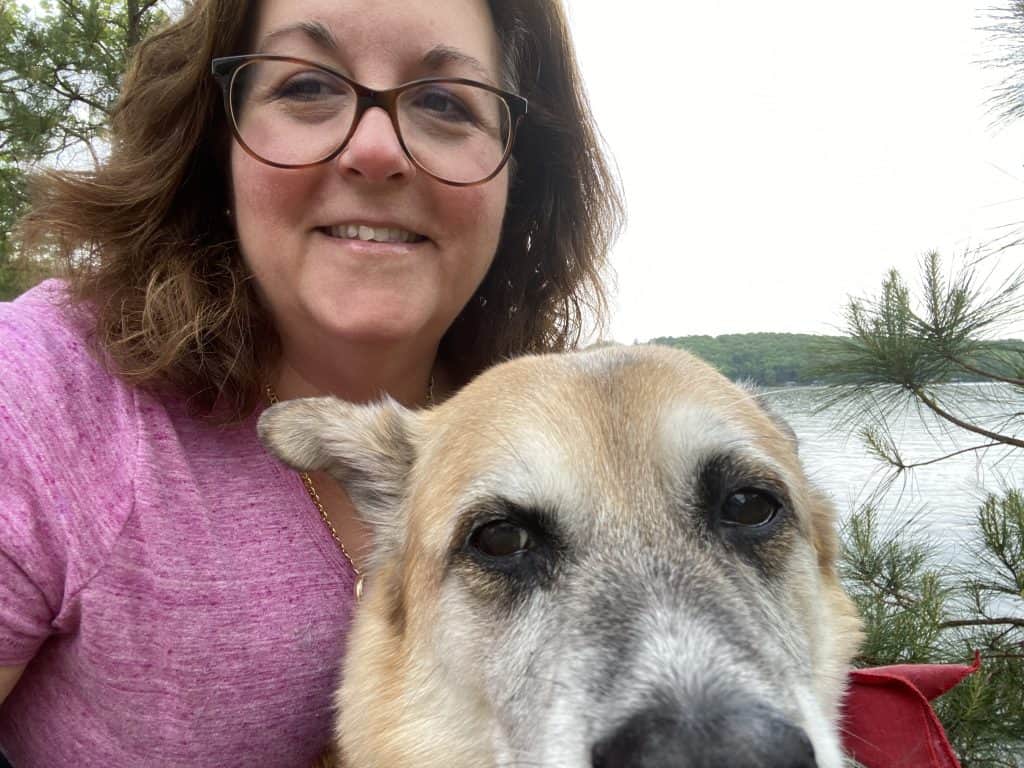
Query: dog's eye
(750, 508)
(500, 539)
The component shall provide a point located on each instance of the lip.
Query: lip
(370, 247)
(374, 223)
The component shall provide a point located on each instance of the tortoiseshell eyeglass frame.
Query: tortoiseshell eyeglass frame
(225, 70)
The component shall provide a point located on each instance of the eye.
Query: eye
(500, 539)
(309, 86)
(749, 508)
(443, 105)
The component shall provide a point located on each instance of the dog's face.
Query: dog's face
(595, 560)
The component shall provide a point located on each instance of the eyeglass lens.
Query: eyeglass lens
(292, 114)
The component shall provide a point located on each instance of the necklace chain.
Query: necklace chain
(307, 482)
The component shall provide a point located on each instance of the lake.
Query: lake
(940, 499)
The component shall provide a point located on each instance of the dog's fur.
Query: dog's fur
(637, 605)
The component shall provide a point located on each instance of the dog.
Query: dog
(602, 559)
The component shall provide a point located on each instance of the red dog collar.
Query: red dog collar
(887, 720)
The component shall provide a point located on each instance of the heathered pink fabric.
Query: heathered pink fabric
(176, 596)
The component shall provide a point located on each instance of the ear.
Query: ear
(761, 399)
(366, 448)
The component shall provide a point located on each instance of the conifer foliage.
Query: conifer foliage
(61, 63)
(918, 604)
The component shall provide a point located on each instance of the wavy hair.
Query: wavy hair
(146, 242)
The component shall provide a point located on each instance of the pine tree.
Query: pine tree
(60, 72)
(898, 357)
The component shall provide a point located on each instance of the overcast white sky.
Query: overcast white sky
(779, 157)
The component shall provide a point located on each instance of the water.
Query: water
(940, 500)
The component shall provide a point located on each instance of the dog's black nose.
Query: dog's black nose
(742, 737)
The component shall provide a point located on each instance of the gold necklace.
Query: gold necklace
(307, 481)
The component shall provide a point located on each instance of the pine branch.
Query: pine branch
(990, 656)
(987, 374)
(997, 589)
(901, 466)
(933, 406)
(71, 10)
(1009, 620)
(72, 93)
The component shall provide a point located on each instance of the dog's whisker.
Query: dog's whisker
(855, 736)
(499, 437)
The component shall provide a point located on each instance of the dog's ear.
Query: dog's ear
(761, 399)
(779, 421)
(366, 448)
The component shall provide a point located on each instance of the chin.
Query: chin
(398, 325)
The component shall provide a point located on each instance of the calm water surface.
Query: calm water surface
(940, 499)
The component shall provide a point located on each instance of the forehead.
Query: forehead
(611, 434)
(379, 37)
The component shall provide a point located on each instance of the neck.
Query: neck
(359, 378)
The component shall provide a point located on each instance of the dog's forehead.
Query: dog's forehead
(596, 427)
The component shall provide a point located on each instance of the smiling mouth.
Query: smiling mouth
(372, 234)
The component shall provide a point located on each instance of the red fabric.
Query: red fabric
(888, 722)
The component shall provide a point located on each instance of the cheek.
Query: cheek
(474, 218)
(264, 198)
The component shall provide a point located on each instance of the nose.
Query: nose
(374, 152)
(666, 737)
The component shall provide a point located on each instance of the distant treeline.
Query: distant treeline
(773, 359)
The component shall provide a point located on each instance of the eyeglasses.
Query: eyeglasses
(292, 113)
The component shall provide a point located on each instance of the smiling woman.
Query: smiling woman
(292, 223)
(363, 198)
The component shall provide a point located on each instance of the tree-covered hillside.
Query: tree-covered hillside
(772, 359)
(766, 358)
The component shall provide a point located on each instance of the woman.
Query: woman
(168, 593)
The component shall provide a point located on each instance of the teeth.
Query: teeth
(374, 234)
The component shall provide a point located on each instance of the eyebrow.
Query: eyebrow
(316, 32)
(435, 60)
(440, 56)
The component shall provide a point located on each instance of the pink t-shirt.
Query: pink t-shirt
(172, 588)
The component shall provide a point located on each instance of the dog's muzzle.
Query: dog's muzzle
(730, 735)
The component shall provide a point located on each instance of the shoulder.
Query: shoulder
(42, 330)
(56, 394)
(49, 369)
(62, 413)
(68, 445)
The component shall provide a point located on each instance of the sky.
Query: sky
(778, 158)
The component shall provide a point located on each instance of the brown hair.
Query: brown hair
(147, 242)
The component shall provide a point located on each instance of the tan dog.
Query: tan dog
(593, 560)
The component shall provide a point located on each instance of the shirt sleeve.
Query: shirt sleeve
(66, 457)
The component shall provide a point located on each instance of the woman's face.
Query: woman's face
(328, 291)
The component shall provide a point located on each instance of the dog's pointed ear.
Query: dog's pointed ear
(783, 425)
(762, 400)
(367, 448)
